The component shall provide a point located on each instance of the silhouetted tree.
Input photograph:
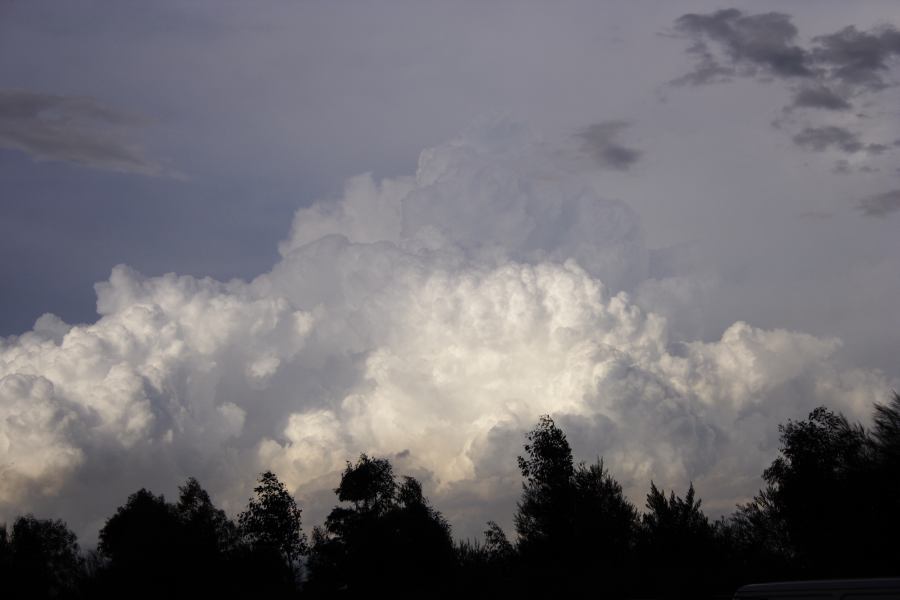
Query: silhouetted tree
(605, 526)
(368, 485)
(544, 514)
(573, 523)
(388, 540)
(496, 544)
(886, 431)
(39, 558)
(821, 489)
(755, 543)
(676, 545)
(150, 547)
(272, 519)
(886, 440)
(487, 569)
(208, 541)
(207, 529)
(142, 544)
(274, 542)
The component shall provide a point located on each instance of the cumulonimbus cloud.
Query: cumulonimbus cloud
(429, 318)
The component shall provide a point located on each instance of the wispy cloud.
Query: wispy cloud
(78, 130)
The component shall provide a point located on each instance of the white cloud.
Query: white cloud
(430, 318)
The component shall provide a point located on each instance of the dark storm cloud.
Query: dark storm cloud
(838, 66)
(72, 129)
(751, 43)
(829, 73)
(858, 58)
(819, 96)
(601, 142)
(820, 139)
(841, 167)
(880, 205)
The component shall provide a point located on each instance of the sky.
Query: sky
(240, 236)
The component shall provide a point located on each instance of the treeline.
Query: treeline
(830, 508)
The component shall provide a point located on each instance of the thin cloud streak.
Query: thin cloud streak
(78, 130)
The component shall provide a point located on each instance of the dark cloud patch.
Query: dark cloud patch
(601, 142)
(841, 167)
(819, 139)
(730, 41)
(819, 96)
(751, 44)
(706, 70)
(71, 129)
(830, 137)
(828, 73)
(858, 58)
(880, 205)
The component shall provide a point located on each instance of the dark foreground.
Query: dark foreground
(829, 508)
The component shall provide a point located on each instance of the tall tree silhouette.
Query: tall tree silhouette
(386, 538)
(142, 543)
(271, 529)
(152, 547)
(573, 523)
(822, 487)
(544, 513)
(754, 541)
(886, 439)
(39, 558)
(208, 540)
(676, 545)
(207, 529)
(605, 525)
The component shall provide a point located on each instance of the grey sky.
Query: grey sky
(183, 137)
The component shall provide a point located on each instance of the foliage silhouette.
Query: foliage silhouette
(272, 540)
(830, 507)
(39, 558)
(821, 487)
(570, 520)
(676, 544)
(272, 520)
(543, 516)
(141, 534)
(388, 540)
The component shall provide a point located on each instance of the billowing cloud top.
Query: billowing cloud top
(429, 318)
